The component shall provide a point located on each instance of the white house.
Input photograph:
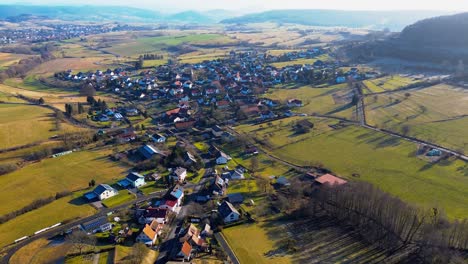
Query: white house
(179, 174)
(228, 212)
(101, 192)
(133, 179)
(153, 214)
(158, 138)
(223, 158)
(216, 131)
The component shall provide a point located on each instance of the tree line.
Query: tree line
(385, 220)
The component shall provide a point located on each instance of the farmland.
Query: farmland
(387, 83)
(143, 45)
(436, 114)
(332, 100)
(251, 243)
(323, 57)
(67, 208)
(24, 124)
(51, 176)
(384, 161)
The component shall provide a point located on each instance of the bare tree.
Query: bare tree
(80, 240)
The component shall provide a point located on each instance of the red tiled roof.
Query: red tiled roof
(171, 203)
(186, 249)
(330, 179)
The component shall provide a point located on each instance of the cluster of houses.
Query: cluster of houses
(50, 32)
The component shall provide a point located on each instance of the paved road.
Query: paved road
(224, 244)
(58, 230)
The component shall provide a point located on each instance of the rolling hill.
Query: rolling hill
(394, 20)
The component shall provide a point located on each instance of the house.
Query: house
(228, 212)
(169, 205)
(218, 186)
(178, 195)
(151, 214)
(97, 225)
(340, 79)
(101, 192)
(158, 138)
(222, 158)
(150, 233)
(329, 179)
(294, 103)
(237, 174)
(222, 104)
(434, 153)
(188, 233)
(250, 151)
(216, 131)
(127, 135)
(189, 158)
(179, 174)
(235, 198)
(148, 151)
(185, 251)
(184, 125)
(283, 181)
(227, 137)
(131, 112)
(267, 114)
(133, 180)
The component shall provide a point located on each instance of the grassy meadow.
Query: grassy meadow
(437, 114)
(387, 162)
(43, 179)
(323, 57)
(332, 100)
(387, 83)
(24, 124)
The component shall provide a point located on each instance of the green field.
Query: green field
(66, 208)
(251, 242)
(387, 83)
(153, 63)
(200, 56)
(70, 172)
(332, 100)
(387, 162)
(323, 57)
(437, 114)
(121, 198)
(24, 124)
(157, 44)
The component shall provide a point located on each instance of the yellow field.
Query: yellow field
(24, 124)
(250, 244)
(74, 64)
(52, 98)
(8, 59)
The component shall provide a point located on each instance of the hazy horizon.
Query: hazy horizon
(263, 5)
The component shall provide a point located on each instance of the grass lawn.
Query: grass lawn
(43, 179)
(151, 187)
(121, 252)
(121, 198)
(26, 253)
(200, 56)
(250, 242)
(437, 114)
(201, 146)
(24, 124)
(382, 160)
(66, 208)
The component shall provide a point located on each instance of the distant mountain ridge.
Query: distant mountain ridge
(112, 13)
(394, 20)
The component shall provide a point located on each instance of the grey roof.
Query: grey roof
(148, 151)
(227, 208)
(102, 188)
(133, 176)
(94, 224)
(235, 198)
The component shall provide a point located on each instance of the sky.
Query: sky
(261, 5)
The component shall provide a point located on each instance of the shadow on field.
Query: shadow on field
(78, 201)
(321, 239)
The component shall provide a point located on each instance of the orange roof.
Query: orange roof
(173, 111)
(197, 240)
(149, 232)
(186, 249)
(330, 179)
